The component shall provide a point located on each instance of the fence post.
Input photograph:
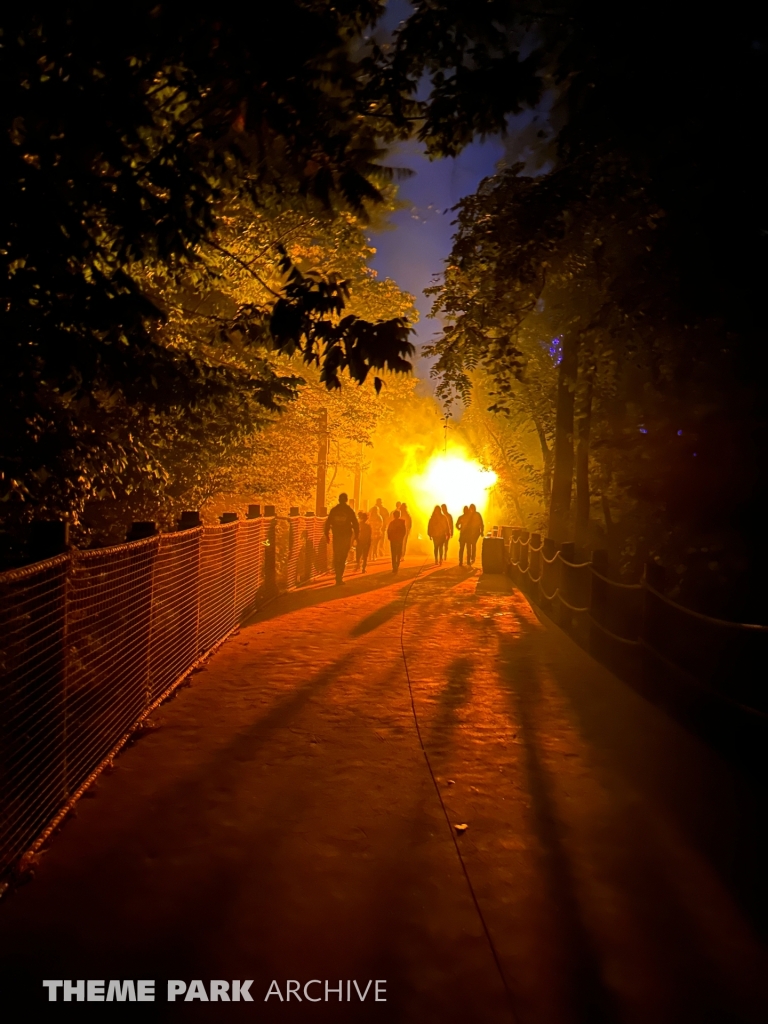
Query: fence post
(524, 540)
(655, 575)
(534, 555)
(549, 570)
(141, 529)
(514, 546)
(598, 599)
(189, 520)
(47, 537)
(567, 554)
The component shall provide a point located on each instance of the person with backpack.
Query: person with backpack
(343, 525)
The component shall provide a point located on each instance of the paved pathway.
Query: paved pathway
(281, 823)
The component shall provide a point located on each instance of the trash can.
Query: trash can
(493, 555)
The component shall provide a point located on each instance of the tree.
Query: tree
(212, 452)
(128, 136)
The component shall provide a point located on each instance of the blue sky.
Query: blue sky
(418, 242)
(413, 251)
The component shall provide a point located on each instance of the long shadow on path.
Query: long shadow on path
(324, 591)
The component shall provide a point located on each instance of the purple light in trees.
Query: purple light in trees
(643, 430)
(679, 433)
(555, 349)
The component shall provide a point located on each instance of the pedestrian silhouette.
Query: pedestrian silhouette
(405, 515)
(462, 524)
(475, 529)
(377, 531)
(396, 536)
(449, 534)
(342, 524)
(437, 529)
(363, 546)
(382, 512)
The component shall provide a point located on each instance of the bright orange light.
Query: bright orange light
(452, 479)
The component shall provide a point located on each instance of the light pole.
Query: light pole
(322, 461)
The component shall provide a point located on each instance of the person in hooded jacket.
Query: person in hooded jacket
(437, 529)
(462, 525)
(475, 528)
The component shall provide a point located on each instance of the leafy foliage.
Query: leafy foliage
(585, 257)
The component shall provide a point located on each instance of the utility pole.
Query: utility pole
(322, 461)
(359, 478)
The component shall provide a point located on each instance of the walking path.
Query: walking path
(282, 823)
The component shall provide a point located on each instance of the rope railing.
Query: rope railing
(636, 629)
(93, 640)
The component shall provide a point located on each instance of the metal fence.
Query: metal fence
(92, 641)
(640, 633)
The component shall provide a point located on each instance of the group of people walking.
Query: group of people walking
(369, 530)
(441, 528)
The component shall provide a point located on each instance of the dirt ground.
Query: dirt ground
(282, 823)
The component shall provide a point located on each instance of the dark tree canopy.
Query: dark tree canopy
(126, 129)
(640, 254)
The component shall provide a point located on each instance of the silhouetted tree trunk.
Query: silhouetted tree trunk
(582, 462)
(562, 477)
(546, 459)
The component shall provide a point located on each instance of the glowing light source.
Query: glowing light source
(453, 479)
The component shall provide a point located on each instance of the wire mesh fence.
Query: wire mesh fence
(92, 640)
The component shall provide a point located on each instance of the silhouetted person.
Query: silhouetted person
(475, 530)
(377, 531)
(342, 523)
(437, 529)
(396, 536)
(363, 540)
(383, 513)
(405, 515)
(449, 520)
(462, 524)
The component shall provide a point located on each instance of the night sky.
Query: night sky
(415, 248)
(413, 251)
